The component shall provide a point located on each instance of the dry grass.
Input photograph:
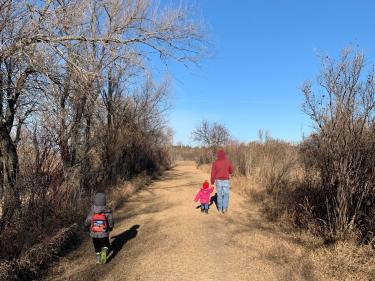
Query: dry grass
(248, 188)
(340, 261)
(37, 258)
(346, 261)
(282, 204)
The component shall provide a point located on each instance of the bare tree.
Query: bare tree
(77, 59)
(211, 135)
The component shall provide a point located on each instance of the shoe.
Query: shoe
(225, 211)
(98, 261)
(103, 255)
(202, 210)
(206, 211)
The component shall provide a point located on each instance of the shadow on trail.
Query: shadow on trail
(133, 209)
(121, 239)
(169, 175)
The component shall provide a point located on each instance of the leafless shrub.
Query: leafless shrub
(342, 149)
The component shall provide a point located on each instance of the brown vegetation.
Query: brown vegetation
(272, 174)
(328, 179)
(80, 110)
(325, 184)
(342, 150)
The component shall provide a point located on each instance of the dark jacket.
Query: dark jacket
(222, 168)
(99, 207)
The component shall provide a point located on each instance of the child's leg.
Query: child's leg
(106, 242)
(206, 208)
(97, 244)
(105, 249)
(202, 207)
(98, 248)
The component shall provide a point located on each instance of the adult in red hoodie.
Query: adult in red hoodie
(221, 170)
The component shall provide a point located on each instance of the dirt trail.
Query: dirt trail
(160, 235)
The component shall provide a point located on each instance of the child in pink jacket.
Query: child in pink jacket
(203, 196)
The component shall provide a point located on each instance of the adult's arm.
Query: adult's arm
(230, 167)
(213, 173)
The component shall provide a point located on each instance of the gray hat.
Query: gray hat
(100, 199)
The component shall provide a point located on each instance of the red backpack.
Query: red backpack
(99, 223)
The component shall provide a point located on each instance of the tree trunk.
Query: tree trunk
(2, 85)
(63, 134)
(86, 164)
(9, 165)
(9, 156)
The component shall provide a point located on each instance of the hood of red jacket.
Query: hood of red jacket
(205, 185)
(220, 154)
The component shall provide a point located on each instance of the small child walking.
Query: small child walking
(100, 221)
(203, 196)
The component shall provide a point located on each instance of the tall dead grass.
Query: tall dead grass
(344, 260)
(278, 176)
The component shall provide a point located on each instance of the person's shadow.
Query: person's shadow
(121, 239)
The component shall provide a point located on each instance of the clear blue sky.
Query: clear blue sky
(264, 51)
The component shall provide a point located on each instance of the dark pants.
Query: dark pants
(99, 243)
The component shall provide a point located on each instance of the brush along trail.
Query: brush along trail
(160, 235)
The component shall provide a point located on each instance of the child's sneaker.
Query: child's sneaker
(103, 255)
(97, 258)
(206, 211)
